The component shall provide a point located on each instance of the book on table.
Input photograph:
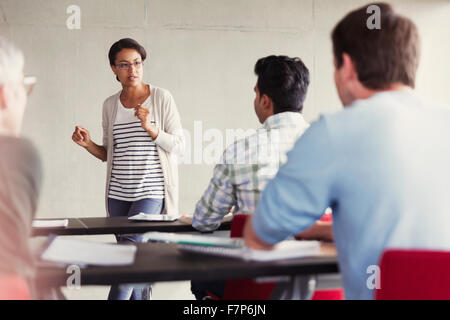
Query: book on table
(235, 247)
(141, 216)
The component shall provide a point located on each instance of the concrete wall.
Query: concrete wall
(203, 51)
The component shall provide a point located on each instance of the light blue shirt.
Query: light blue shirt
(383, 166)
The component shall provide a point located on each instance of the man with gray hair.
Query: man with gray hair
(20, 174)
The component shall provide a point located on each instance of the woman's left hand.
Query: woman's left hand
(143, 114)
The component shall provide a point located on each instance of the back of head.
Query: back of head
(384, 56)
(285, 80)
(11, 62)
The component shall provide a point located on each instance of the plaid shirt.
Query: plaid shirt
(245, 168)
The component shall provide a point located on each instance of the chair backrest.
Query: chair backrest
(414, 275)
(245, 289)
(327, 217)
(237, 225)
(328, 294)
(13, 287)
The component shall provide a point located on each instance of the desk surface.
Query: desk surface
(117, 225)
(163, 262)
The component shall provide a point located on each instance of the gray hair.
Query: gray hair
(11, 61)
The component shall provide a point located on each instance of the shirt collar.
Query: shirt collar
(283, 119)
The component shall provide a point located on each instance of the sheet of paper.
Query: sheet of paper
(83, 252)
(288, 249)
(187, 219)
(59, 223)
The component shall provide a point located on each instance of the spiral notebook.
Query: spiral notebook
(191, 239)
(288, 249)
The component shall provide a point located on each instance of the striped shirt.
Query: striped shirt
(136, 168)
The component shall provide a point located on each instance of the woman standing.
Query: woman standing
(142, 137)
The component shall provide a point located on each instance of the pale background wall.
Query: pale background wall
(203, 51)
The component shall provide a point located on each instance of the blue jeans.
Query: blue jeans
(119, 208)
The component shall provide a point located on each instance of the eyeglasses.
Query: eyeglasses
(126, 66)
(28, 83)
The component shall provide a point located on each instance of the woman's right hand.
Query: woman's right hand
(81, 137)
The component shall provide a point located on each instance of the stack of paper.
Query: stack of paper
(83, 252)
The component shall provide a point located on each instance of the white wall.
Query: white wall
(203, 51)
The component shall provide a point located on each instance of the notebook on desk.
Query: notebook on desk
(153, 217)
(190, 239)
(235, 247)
(288, 249)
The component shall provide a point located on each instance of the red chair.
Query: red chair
(414, 275)
(328, 294)
(248, 289)
(244, 289)
(13, 287)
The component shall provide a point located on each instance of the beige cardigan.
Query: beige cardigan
(170, 142)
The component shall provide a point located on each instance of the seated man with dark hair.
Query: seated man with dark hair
(248, 164)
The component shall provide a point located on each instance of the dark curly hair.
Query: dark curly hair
(285, 80)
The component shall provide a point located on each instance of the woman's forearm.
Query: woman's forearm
(152, 131)
(171, 142)
(97, 151)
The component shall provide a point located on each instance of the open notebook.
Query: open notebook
(141, 216)
(200, 240)
(288, 249)
(235, 247)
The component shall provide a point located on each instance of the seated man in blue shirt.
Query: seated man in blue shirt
(381, 164)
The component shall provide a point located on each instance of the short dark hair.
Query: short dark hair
(285, 80)
(125, 43)
(383, 56)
